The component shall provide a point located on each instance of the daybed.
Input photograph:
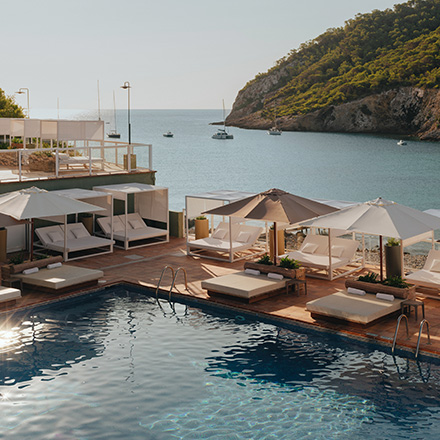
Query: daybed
(429, 276)
(79, 242)
(363, 310)
(8, 296)
(244, 286)
(314, 256)
(137, 232)
(60, 279)
(244, 237)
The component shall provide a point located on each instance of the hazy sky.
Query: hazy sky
(175, 53)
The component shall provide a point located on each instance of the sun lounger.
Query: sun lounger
(246, 287)
(82, 161)
(314, 255)
(244, 237)
(137, 233)
(363, 310)
(429, 276)
(78, 240)
(60, 279)
(8, 296)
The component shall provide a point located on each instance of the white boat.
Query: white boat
(168, 134)
(401, 142)
(114, 133)
(275, 131)
(221, 132)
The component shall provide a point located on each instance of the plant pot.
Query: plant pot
(202, 228)
(393, 261)
(404, 293)
(280, 242)
(298, 274)
(88, 224)
(10, 269)
(133, 164)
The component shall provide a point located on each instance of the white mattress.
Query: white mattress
(353, 308)
(318, 261)
(214, 244)
(425, 278)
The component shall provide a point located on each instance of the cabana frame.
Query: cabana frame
(149, 203)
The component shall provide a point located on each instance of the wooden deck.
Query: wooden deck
(143, 267)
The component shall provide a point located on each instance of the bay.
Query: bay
(351, 167)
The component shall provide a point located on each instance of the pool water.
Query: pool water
(120, 365)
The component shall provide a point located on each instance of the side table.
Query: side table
(407, 304)
(297, 285)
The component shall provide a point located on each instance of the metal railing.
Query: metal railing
(397, 330)
(424, 321)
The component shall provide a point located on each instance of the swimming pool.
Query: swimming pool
(119, 365)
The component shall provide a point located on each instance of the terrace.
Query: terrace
(143, 267)
(34, 150)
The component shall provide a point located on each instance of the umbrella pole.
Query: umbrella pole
(381, 257)
(31, 250)
(275, 240)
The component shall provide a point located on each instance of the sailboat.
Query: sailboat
(274, 130)
(221, 132)
(114, 133)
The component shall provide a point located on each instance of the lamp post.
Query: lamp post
(127, 86)
(20, 92)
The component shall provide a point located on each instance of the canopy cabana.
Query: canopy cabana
(197, 204)
(383, 218)
(144, 216)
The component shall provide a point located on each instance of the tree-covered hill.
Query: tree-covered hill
(371, 54)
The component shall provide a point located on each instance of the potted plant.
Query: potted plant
(280, 241)
(396, 285)
(17, 142)
(393, 259)
(87, 220)
(202, 227)
(287, 267)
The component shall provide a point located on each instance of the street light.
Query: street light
(20, 92)
(127, 86)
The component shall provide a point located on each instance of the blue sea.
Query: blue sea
(350, 167)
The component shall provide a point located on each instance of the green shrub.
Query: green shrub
(17, 259)
(371, 277)
(396, 281)
(265, 259)
(289, 263)
(393, 242)
(201, 217)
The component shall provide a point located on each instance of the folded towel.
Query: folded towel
(54, 265)
(252, 272)
(275, 276)
(385, 296)
(29, 271)
(355, 291)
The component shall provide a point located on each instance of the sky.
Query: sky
(175, 54)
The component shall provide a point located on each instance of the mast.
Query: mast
(224, 117)
(114, 110)
(99, 104)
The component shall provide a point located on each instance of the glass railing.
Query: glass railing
(88, 158)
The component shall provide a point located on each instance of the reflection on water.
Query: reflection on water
(123, 365)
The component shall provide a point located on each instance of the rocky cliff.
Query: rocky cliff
(407, 111)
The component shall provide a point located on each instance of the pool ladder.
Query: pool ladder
(422, 323)
(174, 274)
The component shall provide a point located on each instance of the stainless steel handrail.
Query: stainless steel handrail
(161, 276)
(397, 329)
(174, 280)
(424, 321)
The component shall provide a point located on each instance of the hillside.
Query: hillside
(378, 73)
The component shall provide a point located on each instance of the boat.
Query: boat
(275, 131)
(114, 133)
(168, 134)
(221, 132)
(401, 142)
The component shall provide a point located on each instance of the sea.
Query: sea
(334, 166)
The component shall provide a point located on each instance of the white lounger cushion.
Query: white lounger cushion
(61, 277)
(9, 293)
(353, 308)
(427, 277)
(243, 285)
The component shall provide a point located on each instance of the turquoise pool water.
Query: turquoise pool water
(120, 365)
